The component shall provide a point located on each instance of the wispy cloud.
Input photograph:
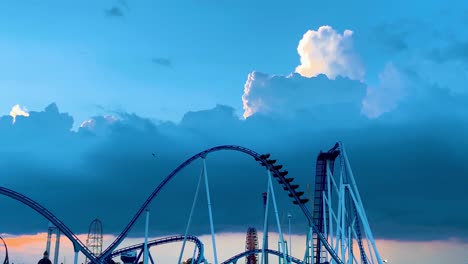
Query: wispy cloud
(114, 11)
(123, 3)
(166, 62)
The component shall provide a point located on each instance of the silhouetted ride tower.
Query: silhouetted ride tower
(94, 241)
(251, 243)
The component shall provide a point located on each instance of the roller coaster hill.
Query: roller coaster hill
(337, 232)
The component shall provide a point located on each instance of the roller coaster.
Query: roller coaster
(336, 221)
(161, 241)
(6, 260)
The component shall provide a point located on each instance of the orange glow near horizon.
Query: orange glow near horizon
(25, 248)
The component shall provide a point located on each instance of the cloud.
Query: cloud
(385, 96)
(435, 54)
(17, 110)
(107, 170)
(327, 52)
(399, 36)
(162, 62)
(392, 37)
(293, 95)
(97, 124)
(457, 51)
(114, 11)
(123, 3)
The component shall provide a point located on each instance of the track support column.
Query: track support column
(213, 239)
(75, 248)
(49, 237)
(145, 247)
(193, 256)
(265, 225)
(270, 183)
(360, 206)
(57, 246)
(190, 218)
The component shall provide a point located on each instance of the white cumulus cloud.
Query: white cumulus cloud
(17, 110)
(325, 57)
(287, 96)
(327, 52)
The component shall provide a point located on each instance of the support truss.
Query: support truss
(338, 213)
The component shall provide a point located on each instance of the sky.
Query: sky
(90, 89)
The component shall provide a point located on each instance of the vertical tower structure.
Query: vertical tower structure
(251, 243)
(50, 231)
(95, 237)
(338, 214)
(325, 160)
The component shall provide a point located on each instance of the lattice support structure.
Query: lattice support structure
(94, 240)
(251, 243)
(341, 221)
(338, 213)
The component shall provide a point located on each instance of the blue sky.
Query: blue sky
(75, 55)
(387, 79)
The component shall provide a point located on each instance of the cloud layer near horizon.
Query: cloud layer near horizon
(107, 170)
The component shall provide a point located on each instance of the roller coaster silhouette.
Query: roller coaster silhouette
(6, 260)
(328, 247)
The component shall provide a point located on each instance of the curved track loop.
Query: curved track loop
(77, 244)
(235, 258)
(166, 240)
(202, 155)
(6, 260)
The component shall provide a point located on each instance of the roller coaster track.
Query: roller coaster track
(107, 252)
(6, 260)
(77, 244)
(256, 251)
(166, 240)
(203, 154)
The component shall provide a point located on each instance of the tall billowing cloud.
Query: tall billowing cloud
(329, 74)
(327, 52)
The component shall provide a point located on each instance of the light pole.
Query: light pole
(290, 245)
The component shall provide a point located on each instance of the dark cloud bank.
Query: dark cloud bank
(410, 164)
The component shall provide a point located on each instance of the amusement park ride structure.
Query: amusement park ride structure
(50, 231)
(251, 243)
(6, 260)
(95, 237)
(336, 223)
